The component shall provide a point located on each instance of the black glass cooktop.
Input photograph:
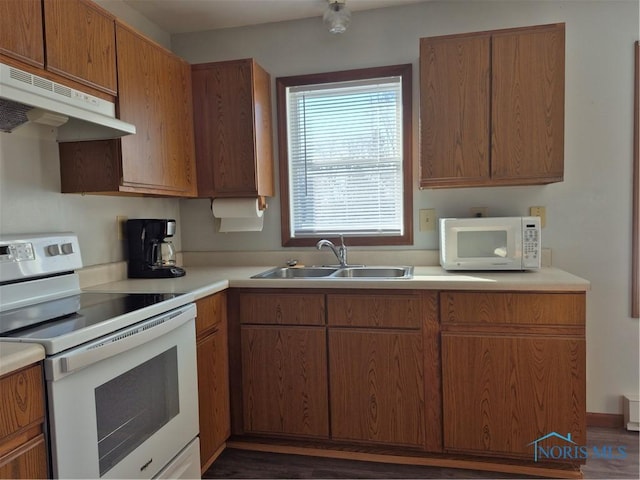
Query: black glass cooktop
(64, 315)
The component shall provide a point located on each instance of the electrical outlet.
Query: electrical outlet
(121, 231)
(539, 212)
(427, 219)
(479, 211)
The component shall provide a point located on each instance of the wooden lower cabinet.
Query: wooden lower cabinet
(213, 376)
(284, 380)
(23, 452)
(377, 386)
(500, 393)
(474, 376)
(513, 371)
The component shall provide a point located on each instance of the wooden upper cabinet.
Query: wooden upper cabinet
(233, 132)
(492, 108)
(21, 31)
(527, 102)
(80, 42)
(154, 95)
(455, 108)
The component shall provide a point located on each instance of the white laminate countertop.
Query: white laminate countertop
(203, 281)
(14, 356)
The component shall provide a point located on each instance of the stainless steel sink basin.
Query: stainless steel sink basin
(375, 272)
(360, 272)
(297, 272)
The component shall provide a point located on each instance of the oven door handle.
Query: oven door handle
(125, 340)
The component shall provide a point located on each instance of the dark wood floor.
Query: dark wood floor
(245, 464)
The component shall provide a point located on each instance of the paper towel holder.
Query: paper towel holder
(262, 203)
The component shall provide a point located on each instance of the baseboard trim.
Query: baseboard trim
(528, 470)
(609, 420)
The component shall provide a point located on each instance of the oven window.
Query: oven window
(482, 244)
(133, 406)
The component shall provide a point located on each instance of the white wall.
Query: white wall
(588, 215)
(31, 202)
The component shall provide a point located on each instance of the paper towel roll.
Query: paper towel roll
(238, 214)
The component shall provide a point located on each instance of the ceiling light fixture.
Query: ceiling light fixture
(337, 16)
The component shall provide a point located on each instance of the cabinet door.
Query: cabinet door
(527, 139)
(377, 386)
(232, 112)
(80, 40)
(213, 393)
(454, 109)
(501, 393)
(284, 380)
(155, 95)
(21, 31)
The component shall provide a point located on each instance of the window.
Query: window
(345, 156)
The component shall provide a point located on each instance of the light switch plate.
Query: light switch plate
(427, 219)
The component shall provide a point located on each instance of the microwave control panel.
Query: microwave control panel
(531, 243)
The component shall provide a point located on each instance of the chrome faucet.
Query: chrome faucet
(340, 252)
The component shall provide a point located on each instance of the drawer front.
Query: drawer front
(512, 308)
(282, 308)
(22, 400)
(390, 311)
(211, 311)
(27, 461)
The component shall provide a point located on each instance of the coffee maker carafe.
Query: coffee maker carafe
(151, 255)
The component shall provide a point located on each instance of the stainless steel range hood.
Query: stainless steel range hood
(25, 97)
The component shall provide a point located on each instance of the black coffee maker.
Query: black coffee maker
(145, 237)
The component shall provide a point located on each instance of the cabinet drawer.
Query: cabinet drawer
(282, 309)
(512, 308)
(392, 311)
(211, 311)
(22, 399)
(28, 461)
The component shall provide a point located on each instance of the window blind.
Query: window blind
(345, 158)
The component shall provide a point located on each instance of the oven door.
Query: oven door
(125, 405)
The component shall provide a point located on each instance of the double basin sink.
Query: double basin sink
(317, 272)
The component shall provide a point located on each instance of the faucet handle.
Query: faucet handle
(342, 240)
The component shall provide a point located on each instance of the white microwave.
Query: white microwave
(490, 243)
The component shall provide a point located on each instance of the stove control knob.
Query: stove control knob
(53, 250)
(67, 248)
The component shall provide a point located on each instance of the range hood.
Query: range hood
(25, 97)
